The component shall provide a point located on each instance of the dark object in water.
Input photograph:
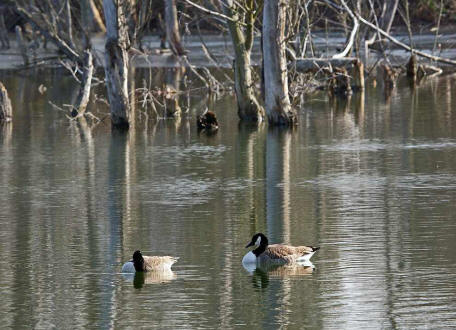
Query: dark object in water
(207, 121)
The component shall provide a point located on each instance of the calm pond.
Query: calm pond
(372, 182)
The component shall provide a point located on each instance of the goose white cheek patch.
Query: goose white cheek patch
(258, 241)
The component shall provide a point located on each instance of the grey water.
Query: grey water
(371, 180)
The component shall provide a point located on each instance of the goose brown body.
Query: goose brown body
(277, 254)
(141, 263)
(158, 262)
(285, 254)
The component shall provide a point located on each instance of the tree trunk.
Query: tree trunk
(277, 102)
(86, 23)
(98, 24)
(3, 31)
(248, 107)
(116, 62)
(21, 44)
(172, 28)
(86, 83)
(69, 22)
(6, 111)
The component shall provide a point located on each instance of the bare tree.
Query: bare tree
(277, 101)
(116, 61)
(240, 16)
(242, 35)
(172, 28)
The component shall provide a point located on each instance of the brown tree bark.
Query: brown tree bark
(248, 107)
(86, 83)
(278, 107)
(172, 28)
(6, 111)
(116, 62)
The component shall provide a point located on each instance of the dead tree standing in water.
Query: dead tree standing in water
(248, 107)
(277, 101)
(116, 62)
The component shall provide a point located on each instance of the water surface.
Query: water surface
(372, 181)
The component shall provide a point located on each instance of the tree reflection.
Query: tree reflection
(278, 184)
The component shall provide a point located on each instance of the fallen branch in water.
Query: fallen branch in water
(397, 42)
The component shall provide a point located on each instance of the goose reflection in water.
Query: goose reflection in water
(262, 274)
(154, 277)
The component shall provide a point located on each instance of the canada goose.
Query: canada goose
(276, 254)
(142, 263)
(207, 121)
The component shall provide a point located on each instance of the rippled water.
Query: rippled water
(373, 185)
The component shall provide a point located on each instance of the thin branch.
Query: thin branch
(397, 42)
(211, 12)
(61, 44)
(352, 34)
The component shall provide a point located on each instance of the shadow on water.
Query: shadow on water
(262, 275)
(139, 279)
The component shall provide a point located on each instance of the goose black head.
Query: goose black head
(138, 261)
(260, 241)
(257, 240)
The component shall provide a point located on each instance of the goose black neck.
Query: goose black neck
(262, 247)
(139, 265)
(138, 261)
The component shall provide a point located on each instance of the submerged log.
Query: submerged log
(358, 74)
(416, 71)
(340, 83)
(390, 75)
(6, 111)
(412, 67)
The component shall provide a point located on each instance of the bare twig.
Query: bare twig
(211, 12)
(438, 27)
(51, 35)
(352, 34)
(397, 42)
